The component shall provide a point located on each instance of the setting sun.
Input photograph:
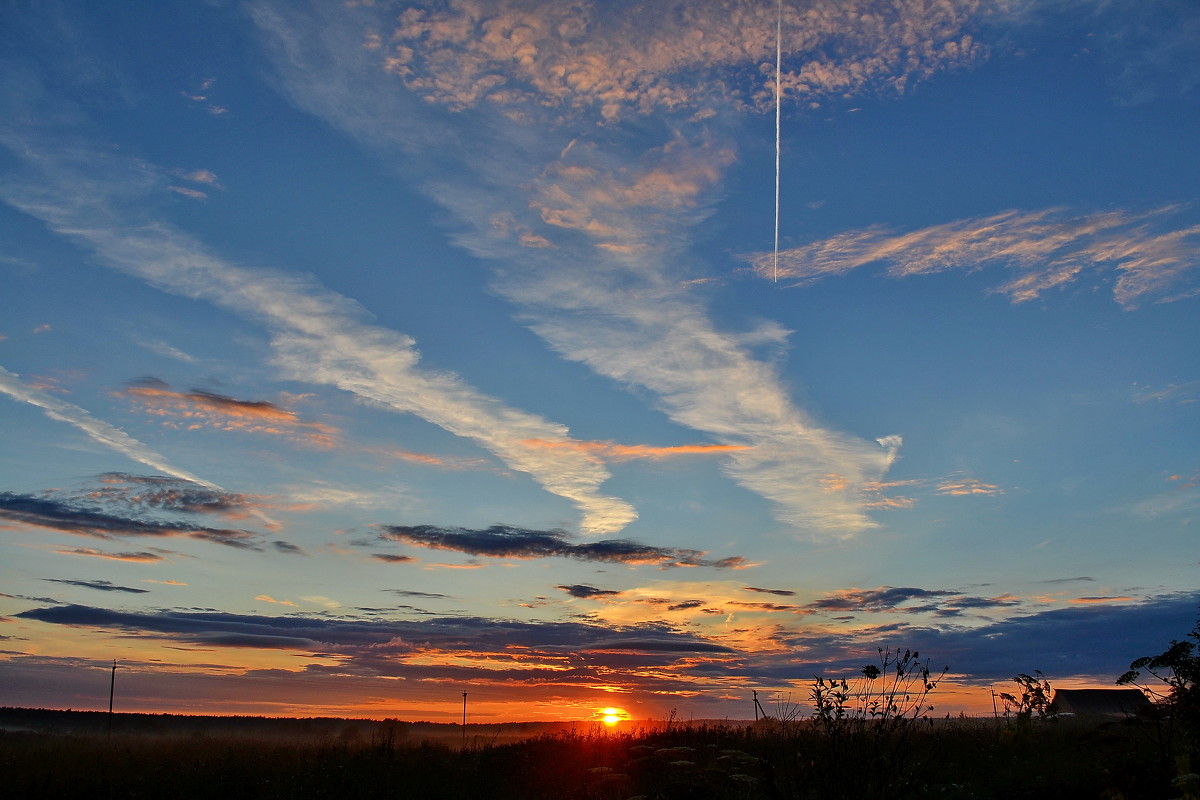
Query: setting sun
(611, 716)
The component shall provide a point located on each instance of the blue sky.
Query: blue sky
(374, 352)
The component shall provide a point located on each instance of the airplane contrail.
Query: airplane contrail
(778, 65)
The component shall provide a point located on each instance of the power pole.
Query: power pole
(464, 725)
(112, 685)
(758, 709)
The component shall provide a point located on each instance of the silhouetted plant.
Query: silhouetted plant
(1034, 699)
(867, 722)
(884, 696)
(1172, 679)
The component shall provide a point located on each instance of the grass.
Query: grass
(952, 759)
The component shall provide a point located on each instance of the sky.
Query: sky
(357, 355)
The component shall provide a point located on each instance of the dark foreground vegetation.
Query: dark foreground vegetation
(962, 758)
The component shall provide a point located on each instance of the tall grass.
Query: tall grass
(952, 759)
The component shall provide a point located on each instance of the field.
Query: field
(74, 755)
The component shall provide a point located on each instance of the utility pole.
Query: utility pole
(758, 709)
(464, 724)
(112, 685)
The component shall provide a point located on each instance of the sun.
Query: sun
(611, 716)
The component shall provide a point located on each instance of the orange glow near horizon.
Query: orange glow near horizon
(611, 716)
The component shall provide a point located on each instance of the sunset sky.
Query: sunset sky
(356, 355)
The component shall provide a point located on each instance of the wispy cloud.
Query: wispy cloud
(203, 409)
(584, 591)
(1171, 393)
(589, 233)
(265, 598)
(968, 486)
(1153, 256)
(611, 451)
(897, 599)
(141, 556)
(98, 430)
(502, 541)
(100, 586)
(318, 336)
(780, 592)
(392, 558)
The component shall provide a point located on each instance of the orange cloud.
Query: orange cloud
(968, 486)
(268, 599)
(1092, 600)
(430, 460)
(1048, 249)
(611, 451)
(199, 409)
(139, 557)
(557, 59)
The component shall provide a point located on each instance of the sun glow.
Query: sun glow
(611, 716)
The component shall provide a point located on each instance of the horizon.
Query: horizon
(357, 355)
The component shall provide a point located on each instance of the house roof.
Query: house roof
(1098, 701)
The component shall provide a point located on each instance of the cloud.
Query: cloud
(73, 517)
(1188, 392)
(168, 494)
(195, 194)
(611, 451)
(611, 60)
(265, 598)
(613, 286)
(893, 599)
(389, 558)
(780, 592)
(169, 351)
(583, 591)
(318, 336)
(201, 176)
(426, 459)
(382, 644)
(97, 430)
(968, 486)
(198, 408)
(142, 556)
(102, 586)
(503, 541)
(530, 660)
(1153, 256)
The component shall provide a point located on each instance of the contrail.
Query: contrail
(778, 63)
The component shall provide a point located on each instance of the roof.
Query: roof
(1098, 701)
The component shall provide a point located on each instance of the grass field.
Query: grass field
(148, 756)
